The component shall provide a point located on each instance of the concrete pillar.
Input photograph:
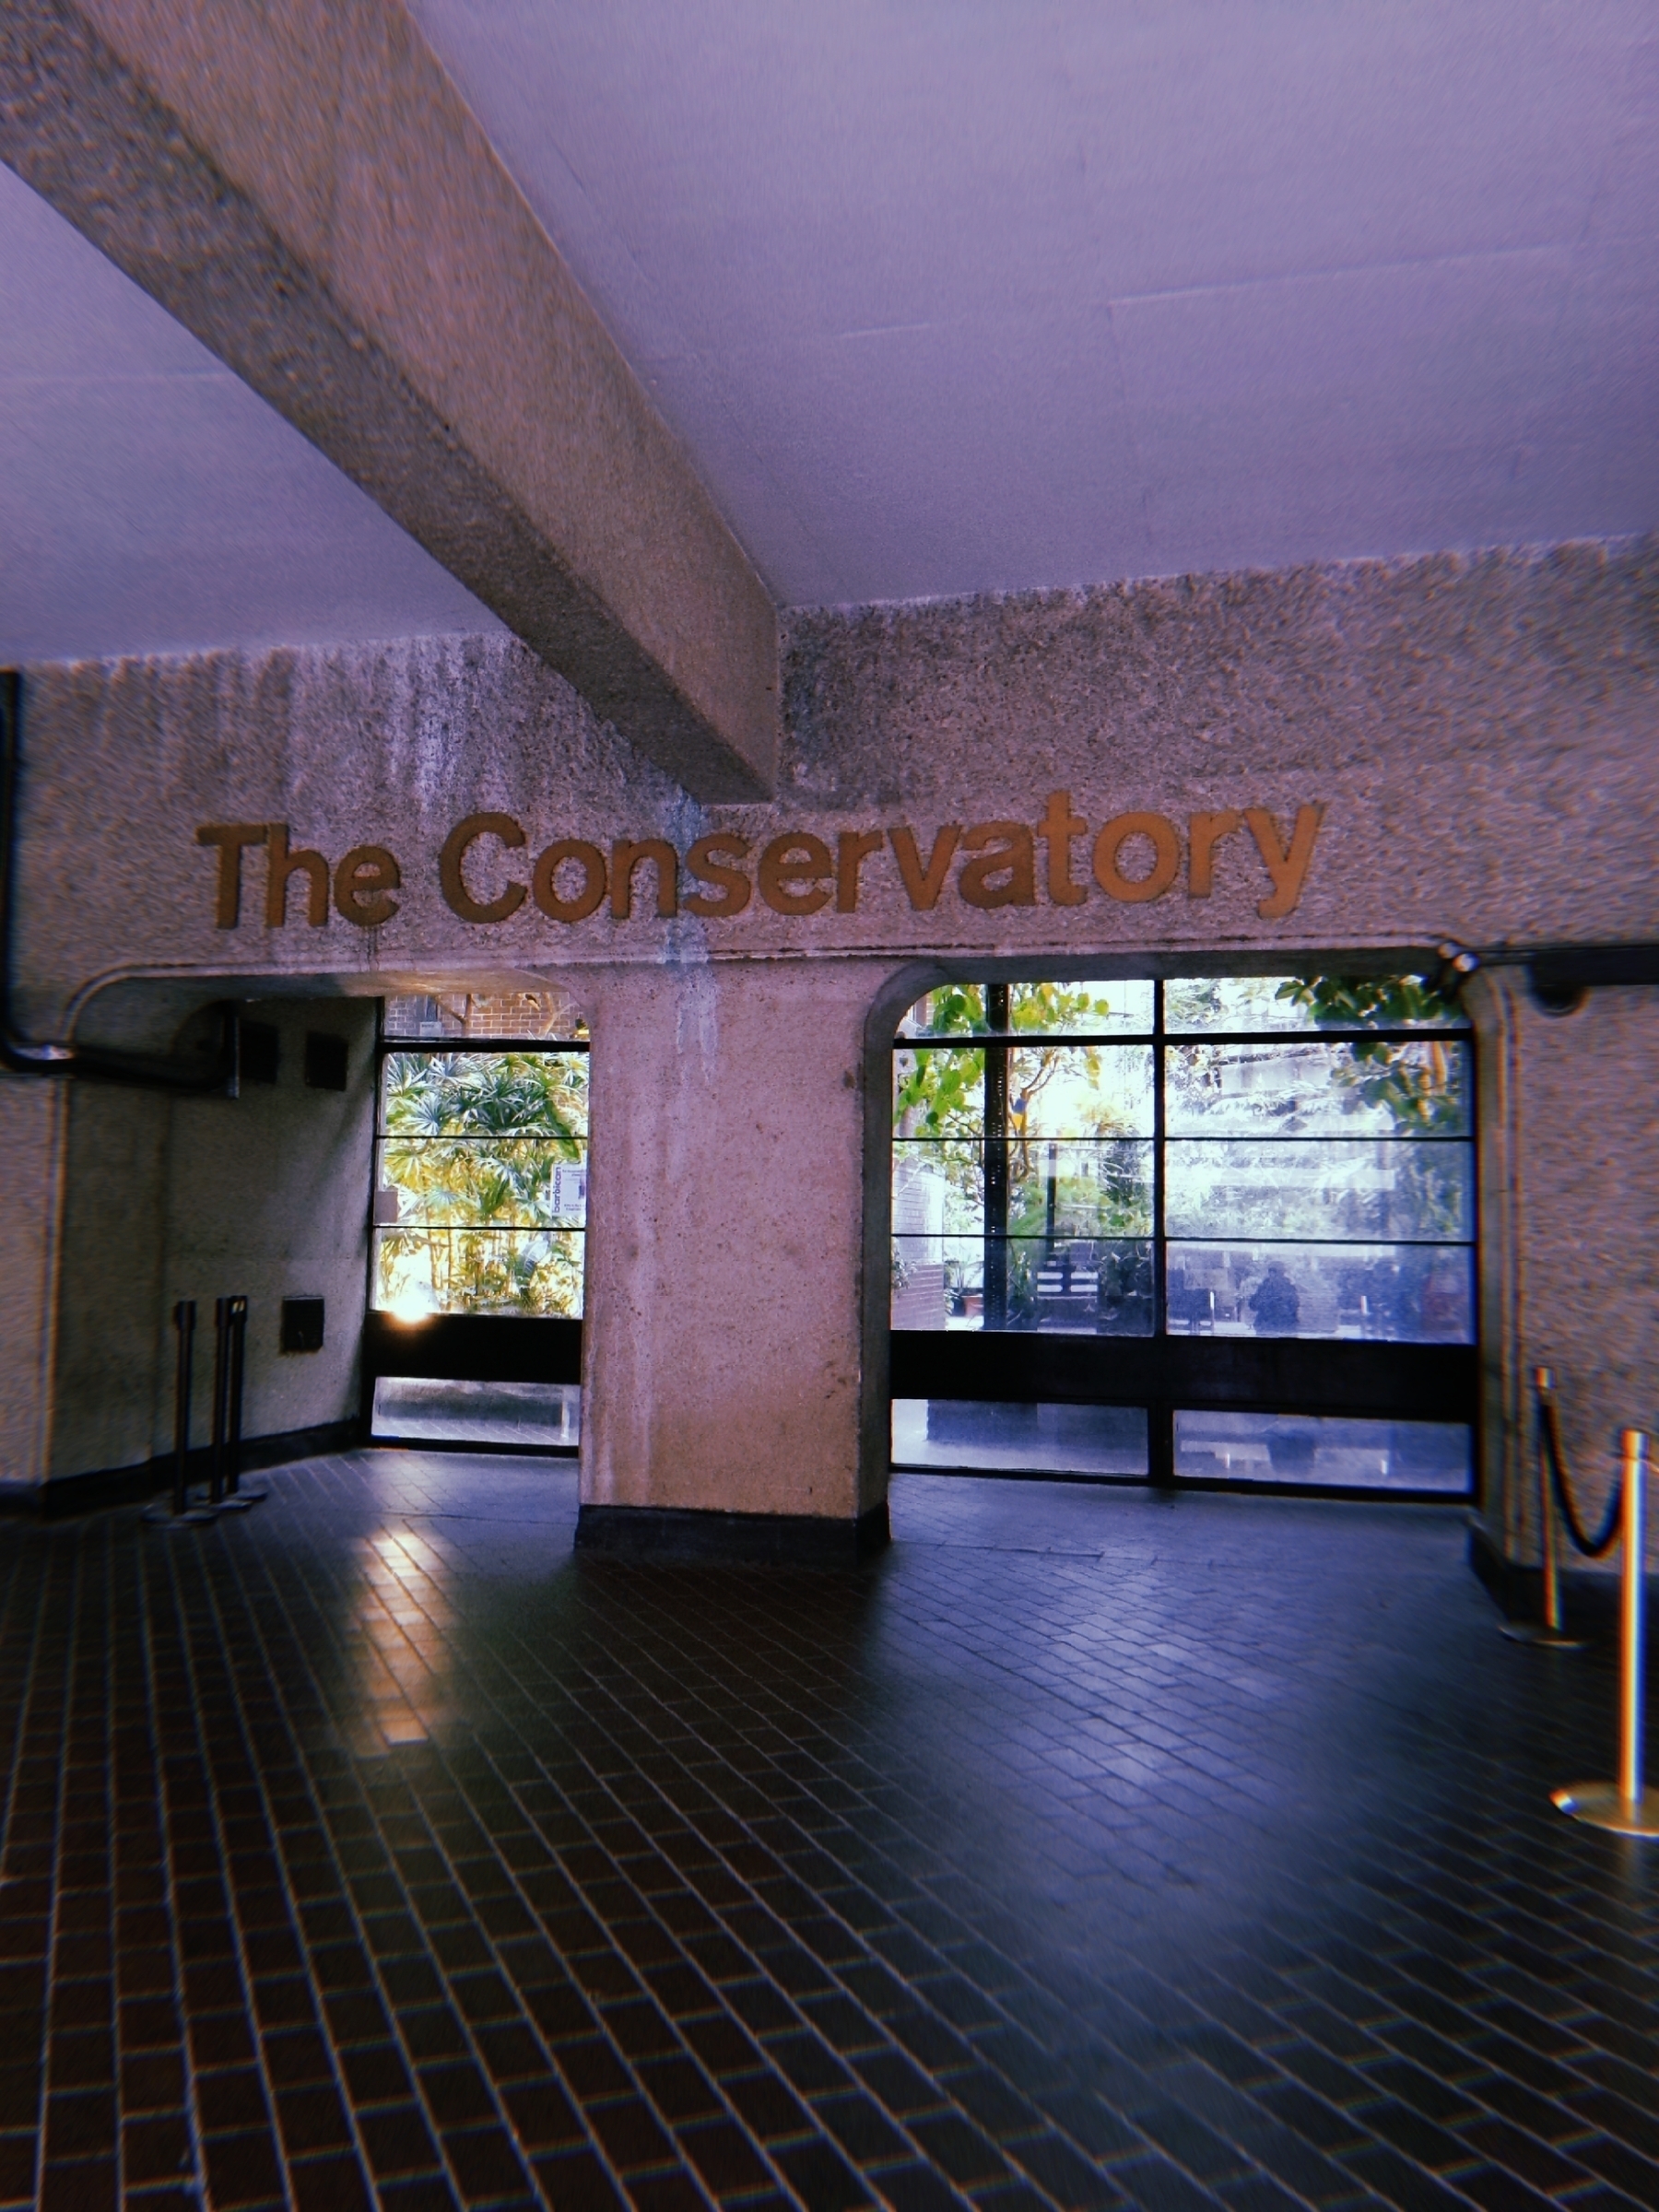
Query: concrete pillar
(1568, 1223)
(727, 1407)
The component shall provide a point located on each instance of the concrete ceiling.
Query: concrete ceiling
(945, 295)
(950, 295)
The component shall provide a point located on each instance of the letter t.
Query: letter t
(1059, 826)
(229, 836)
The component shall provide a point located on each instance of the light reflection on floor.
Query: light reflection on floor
(396, 1642)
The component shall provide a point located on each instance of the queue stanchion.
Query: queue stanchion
(183, 1514)
(1626, 1806)
(222, 1400)
(236, 1500)
(1547, 1633)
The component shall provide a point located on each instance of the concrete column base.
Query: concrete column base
(659, 1532)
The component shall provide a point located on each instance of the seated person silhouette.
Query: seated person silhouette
(1275, 1302)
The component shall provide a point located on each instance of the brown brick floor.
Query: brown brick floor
(1088, 1849)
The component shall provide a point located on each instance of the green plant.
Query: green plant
(472, 1141)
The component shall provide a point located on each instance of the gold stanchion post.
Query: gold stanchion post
(1548, 1633)
(1625, 1805)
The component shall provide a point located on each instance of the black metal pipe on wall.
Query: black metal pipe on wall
(19, 1056)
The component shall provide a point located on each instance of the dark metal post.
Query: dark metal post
(239, 1355)
(221, 1397)
(185, 1321)
(996, 1158)
(235, 1500)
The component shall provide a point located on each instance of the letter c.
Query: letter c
(456, 896)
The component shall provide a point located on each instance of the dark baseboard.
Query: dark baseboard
(1515, 1590)
(572, 1453)
(668, 1533)
(1218, 1485)
(107, 1487)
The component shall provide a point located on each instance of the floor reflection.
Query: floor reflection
(397, 1642)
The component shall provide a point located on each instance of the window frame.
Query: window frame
(1170, 1374)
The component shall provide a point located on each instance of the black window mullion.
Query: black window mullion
(1160, 1412)
(994, 1277)
(1158, 1263)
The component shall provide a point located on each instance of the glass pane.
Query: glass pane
(490, 1182)
(1287, 1002)
(1054, 1091)
(1367, 1089)
(1403, 1293)
(939, 1093)
(545, 1013)
(486, 1095)
(478, 1270)
(1113, 1010)
(1053, 1190)
(1320, 1188)
(1080, 1090)
(1054, 1440)
(1079, 1286)
(1291, 1448)
(415, 1409)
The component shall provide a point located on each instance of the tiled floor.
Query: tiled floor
(1085, 1849)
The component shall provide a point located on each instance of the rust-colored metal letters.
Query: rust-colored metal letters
(1133, 858)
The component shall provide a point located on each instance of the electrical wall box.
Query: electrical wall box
(258, 1052)
(327, 1060)
(302, 1325)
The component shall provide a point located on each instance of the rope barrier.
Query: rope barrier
(1549, 1432)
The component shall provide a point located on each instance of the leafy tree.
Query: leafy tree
(940, 1093)
(1417, 1083)
(471, 1145)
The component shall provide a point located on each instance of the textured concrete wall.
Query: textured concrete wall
(302, 186)
(202, 1197)
(112, 1364)
(1480, 734)
(32, 1120)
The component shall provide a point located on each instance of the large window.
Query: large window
(474, 1331)
(481, 1157)
(1269, 1162)
(1253, 1157)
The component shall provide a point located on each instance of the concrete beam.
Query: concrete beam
(303, 187)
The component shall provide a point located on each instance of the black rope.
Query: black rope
(1549, 1430)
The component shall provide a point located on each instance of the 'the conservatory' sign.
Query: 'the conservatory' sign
(1133, 857)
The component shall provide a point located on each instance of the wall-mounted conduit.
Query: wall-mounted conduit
(1559, 976)
(19, 1056)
